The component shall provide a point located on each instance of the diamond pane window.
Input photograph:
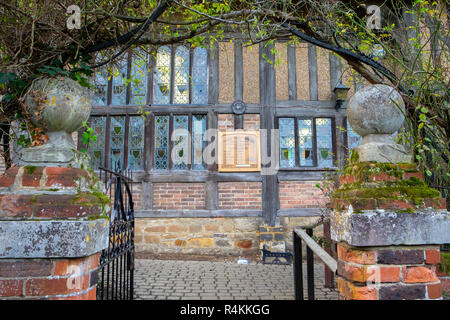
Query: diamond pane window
(305, 142)
(161, 90)
(119, 87)
(181, 80)
(139, 71)
(100, 87)
(309, 139)
(180, 138)
(198, 141)
(97, 148)
(287, 142)
(353, 139)
(116, 139)
(161, 153)
(200, 76)
(136, 143)
(324, 142)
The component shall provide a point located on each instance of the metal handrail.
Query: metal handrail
(318, 250)
(311, 248)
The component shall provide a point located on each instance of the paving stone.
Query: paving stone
(171, 279)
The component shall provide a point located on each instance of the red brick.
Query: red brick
(418, 275)
(432, 256)
(16, 268)
(393, 204)
(364, 293)
(382, 177)
(54, 286)
(64, 177)
(11, 288)
(381, 274)
(351, 292)
(32, 178)
(7, 179)
(440, 203)
(408, 175)
(15, 205)
(445, 281)
(352, 272)
(355, 255)
(434, 291)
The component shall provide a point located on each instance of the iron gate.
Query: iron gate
(116, 265)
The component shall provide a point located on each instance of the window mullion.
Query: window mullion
(107, 142)
(125, 141)
(190, 142)
(314, 140)
(169, 155)
(128, 88)
(172, 72)
(296, 148)
(191, 68)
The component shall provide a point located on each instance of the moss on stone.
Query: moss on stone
(30, 169)
(408, 210)
(413, 190)
(444, 265)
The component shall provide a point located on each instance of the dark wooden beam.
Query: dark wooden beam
(313, 82)
(267, 87)
(292, 72)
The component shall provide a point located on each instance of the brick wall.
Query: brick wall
(167, 196)
(225, 122)
(53, 279)
(240, 195)
(251, 122)
(300, 194)
(388, 274)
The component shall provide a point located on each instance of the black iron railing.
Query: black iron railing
(312, 247)
(116, 265)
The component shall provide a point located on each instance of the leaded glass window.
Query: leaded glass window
(161, 150)
(119, 87)
(97, 148)
(162, 83)
(353, 139)
(136, 143)
(198, 141)
(287, 142)
(109, 150)
(324, 142)
(101, 78)
(139, 72)
(179, 74)
(187, 142)
(180, 138)
(306, 142)
(117, 138)
(181, 77)
(200, 76)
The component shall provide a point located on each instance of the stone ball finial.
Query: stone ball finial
(376, 112)
(376, 109)
(59, 105)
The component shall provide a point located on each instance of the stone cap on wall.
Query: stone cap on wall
(386, 227)
(52, 239)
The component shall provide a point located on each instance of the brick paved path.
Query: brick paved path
(194, 280)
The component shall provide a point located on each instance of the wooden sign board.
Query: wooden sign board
(239, 151)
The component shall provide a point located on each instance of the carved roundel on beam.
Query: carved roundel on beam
(238, 107)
